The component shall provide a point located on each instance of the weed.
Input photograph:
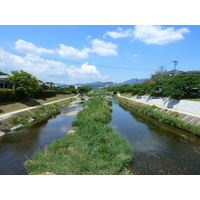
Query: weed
(94, 148)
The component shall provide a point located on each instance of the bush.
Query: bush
(7, 95)
(41, 95)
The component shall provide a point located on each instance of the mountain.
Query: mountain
(97, 83)
(135, 80)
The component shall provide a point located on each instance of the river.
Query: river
(158, 148)
(18, 146)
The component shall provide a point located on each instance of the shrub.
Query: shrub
(43, 94)
(7, 95)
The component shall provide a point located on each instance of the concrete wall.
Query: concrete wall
(182, 105)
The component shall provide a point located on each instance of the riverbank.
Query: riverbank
(94, 147)
(29, 103)
(29, 116)
(162, 114)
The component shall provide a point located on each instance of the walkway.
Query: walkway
(7, 115)
(185, 116)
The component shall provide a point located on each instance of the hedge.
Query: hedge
(40, 95)
(7, 95)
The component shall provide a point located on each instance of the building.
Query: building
(174, 73)
(4, 83)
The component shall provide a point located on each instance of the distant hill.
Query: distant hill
(96, 85)
(135, 80)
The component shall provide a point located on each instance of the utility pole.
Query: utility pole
(175, 64)
(161, 68)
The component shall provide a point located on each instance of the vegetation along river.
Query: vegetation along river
(158, 148)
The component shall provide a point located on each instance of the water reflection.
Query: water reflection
(159, 148)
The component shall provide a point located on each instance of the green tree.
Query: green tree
(84, 89)
(23, 82)
(2, 73)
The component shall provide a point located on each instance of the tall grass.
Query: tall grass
(36, 115)
(154, 112)
(94, 148)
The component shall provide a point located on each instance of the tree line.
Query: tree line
(177, 87)
(27, 85)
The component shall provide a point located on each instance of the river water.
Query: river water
(18, 146)
(158, 148)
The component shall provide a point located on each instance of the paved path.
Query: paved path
(7, 115)
(170, 109)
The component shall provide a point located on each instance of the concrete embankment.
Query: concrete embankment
(5, 125)
(187, 111)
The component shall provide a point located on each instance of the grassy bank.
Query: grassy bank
(30, 102)
(159, 114)
(36, 115)
(99, 93)
(94, 148)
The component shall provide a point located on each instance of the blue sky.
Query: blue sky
(70, 54)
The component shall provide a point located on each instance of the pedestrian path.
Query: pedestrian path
(185, 116)
(7, 115)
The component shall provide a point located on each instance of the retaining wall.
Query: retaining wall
(182, 105)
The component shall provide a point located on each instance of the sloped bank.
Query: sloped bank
(32, 116)
(163, 115)
(94, 148)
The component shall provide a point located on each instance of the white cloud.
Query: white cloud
(158, 35)
(120, 33)
(98, 46)
(49, 70)
(103, 48)
(72, 53)
(86, 73)
(150, 34)
(29, 48)
(135, 55)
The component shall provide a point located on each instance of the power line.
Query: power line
(95, 64)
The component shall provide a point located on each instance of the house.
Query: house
(4, 83)
(174, 73)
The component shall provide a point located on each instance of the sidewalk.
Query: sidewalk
(7, 115)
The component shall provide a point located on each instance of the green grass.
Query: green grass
(29, 102)
(99, 94)
(154, 112)
(94, 148)
(41, 113)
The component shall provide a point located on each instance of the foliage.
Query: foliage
(84, 89)
(38, 114)
(43, 94)
(7, 95)
(2, 73)
(23, 82)
(98, 94)
(177, 87)
(93, 149)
